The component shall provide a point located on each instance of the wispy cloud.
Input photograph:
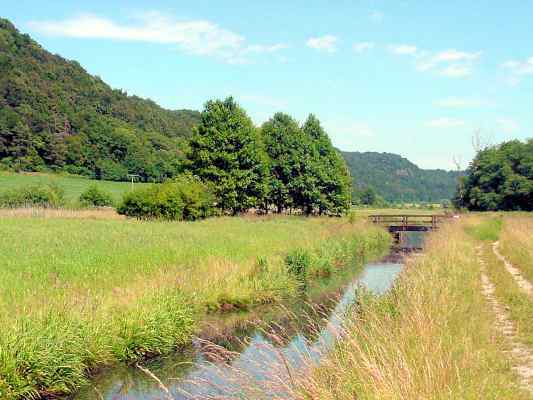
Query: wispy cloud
(324, 43)
(362, 47)
(457, 102)
(518, 69)
(508, 125)
(450, 63)
(199, 37)
(445, 122)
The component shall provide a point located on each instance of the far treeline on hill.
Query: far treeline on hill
(54, 116)
(397, 179)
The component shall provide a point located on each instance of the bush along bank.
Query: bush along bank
(51, 352)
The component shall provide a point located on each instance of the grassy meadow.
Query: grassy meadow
(72, 185)
(434, 335)
(77, 294)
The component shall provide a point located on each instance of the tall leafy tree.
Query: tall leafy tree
(225, 152)
(285, 145)
(331, 175)
(499, 178)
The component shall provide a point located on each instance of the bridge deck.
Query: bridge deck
(412, 222)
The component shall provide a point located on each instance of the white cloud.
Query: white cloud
(456, 102)
(445, 123)
(450, 63)
(361, 47)
(199, 37)
(377, 16)
(454, 55)
(325, 43)
(403, 49)
(518, 69)
(507, 125)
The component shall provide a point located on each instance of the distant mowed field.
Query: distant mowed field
(71, 184)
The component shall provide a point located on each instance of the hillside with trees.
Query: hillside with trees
(397, 179)
(499, 178)
(56, 116)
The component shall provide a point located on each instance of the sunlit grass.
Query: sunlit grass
(81, 293)
(517, 243)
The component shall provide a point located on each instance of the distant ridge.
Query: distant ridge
(396, 178)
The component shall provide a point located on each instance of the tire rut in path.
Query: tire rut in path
(522, 282)
(522, 355)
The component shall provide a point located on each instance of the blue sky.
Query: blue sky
(413, 78)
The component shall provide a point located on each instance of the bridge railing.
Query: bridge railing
(408, 220)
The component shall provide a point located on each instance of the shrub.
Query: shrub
(182, 198)
(42, 195)
(298, 262)
(96, 197)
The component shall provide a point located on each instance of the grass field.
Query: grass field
(517, 243)
(76, 294)
(71, 184)
(433, 336)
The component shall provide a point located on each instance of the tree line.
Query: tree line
(499, 178)
(281, 166)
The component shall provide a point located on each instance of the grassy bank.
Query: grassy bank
(489, 229)
(432, 337)
(78, 294)
(517, 243)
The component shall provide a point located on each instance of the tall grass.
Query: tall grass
(517, 243)
(431, 337)
(518, 304)
(485, 229)
(78, 294)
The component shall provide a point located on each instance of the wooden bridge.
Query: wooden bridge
(409, 223)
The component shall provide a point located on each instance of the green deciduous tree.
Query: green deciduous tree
(499, 178)
(285, 146)
(332, 178)
(225, 152)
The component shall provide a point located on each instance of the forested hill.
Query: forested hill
(397, 179)
(53, 114)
